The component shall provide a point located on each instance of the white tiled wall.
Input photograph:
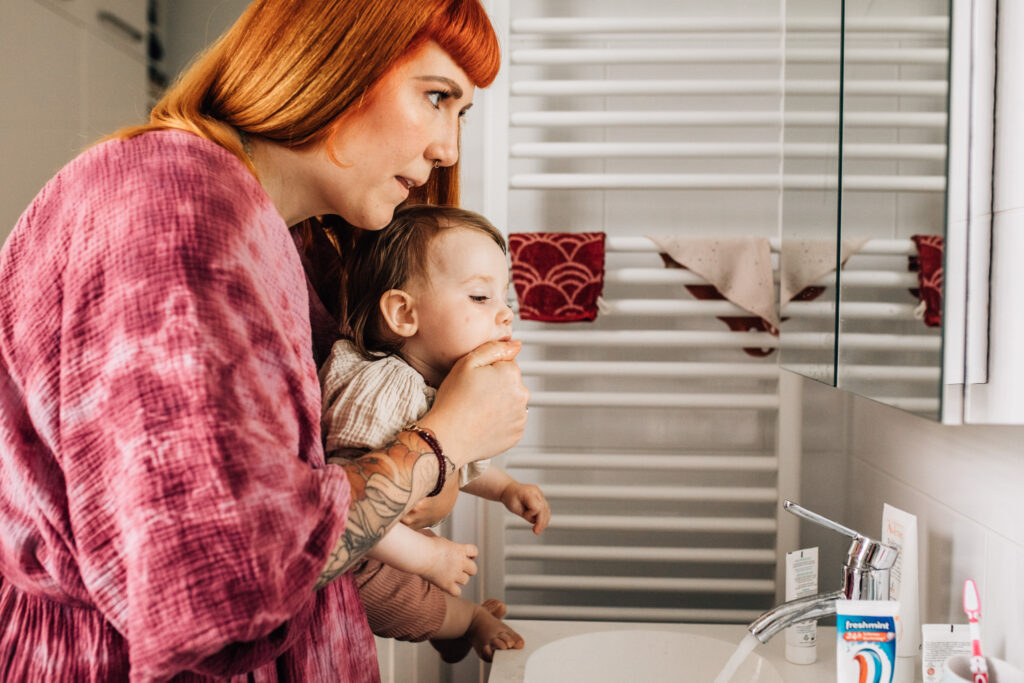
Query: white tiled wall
(964, 483)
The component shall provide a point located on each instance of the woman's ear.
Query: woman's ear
(399, 311)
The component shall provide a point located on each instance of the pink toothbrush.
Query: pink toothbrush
(972, 607)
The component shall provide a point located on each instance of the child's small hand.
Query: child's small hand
(527, 501)
(451, 563)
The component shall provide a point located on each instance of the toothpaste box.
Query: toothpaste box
(865, 640)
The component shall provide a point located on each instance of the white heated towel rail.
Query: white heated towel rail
(579, 26)
(650, 532)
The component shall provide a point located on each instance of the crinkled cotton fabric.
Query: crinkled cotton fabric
(165, 507)
(367, 402)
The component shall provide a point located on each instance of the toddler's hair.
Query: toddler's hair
(390, 258)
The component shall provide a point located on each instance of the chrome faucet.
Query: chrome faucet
(865, 577)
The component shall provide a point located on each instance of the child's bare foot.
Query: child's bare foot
(486, 633)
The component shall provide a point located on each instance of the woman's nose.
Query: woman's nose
(445, 147)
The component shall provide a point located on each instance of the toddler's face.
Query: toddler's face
(463, 302)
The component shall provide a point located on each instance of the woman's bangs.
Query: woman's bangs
(464, 31)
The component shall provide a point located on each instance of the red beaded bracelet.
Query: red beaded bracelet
(432, 441)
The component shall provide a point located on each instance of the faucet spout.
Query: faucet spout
(810, 608)
(865, 577)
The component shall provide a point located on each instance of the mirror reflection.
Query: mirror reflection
(810, 202)
(894, 156)
(888, 240)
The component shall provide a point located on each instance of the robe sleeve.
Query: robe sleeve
(201, 506)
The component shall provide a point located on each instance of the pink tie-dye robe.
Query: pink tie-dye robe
(165, 508)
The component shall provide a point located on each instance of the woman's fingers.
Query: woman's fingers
(492, 352)
(480, 408)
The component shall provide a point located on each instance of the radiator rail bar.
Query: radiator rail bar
(654, 614)
(934, 26)
(631, 461)
(594, 553)
(735, 494)
(752, 525)
(638, 584)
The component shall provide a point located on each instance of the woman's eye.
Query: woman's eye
(437, 96)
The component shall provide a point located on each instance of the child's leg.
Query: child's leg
(407, 607)
(470, 626)
(399, 605)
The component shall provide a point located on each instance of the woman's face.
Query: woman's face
(392, 142)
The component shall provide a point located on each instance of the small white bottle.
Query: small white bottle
(802, 581)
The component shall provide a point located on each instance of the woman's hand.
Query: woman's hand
(480, 409)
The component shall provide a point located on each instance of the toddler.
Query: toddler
(421, 294)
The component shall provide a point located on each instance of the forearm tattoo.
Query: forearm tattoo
(384, 484)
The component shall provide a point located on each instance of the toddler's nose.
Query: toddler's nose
(505, 316)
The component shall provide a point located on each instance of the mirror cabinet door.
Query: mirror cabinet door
(810, 200)
(893, 198)
(887, 202)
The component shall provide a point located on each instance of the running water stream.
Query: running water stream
(743, 650)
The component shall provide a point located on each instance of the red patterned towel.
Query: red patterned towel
(928, 264)
(558, 276)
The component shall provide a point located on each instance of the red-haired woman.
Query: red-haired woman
(165, 507)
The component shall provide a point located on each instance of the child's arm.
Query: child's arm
(525, 500)
(445, 564)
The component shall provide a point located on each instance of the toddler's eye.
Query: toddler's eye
(479, 298)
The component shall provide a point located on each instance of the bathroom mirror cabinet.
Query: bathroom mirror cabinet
(897, 269)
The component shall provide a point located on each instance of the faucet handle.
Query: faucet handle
(864, 553)
(790, 506)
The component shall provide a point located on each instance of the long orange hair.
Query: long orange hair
(291, 71)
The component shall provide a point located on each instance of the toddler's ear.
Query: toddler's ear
(399, 311)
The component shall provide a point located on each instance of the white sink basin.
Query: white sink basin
(641, 655)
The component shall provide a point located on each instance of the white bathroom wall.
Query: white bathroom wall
(963, 483)
(824, 472)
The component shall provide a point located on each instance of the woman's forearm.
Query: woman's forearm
(385, 484)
